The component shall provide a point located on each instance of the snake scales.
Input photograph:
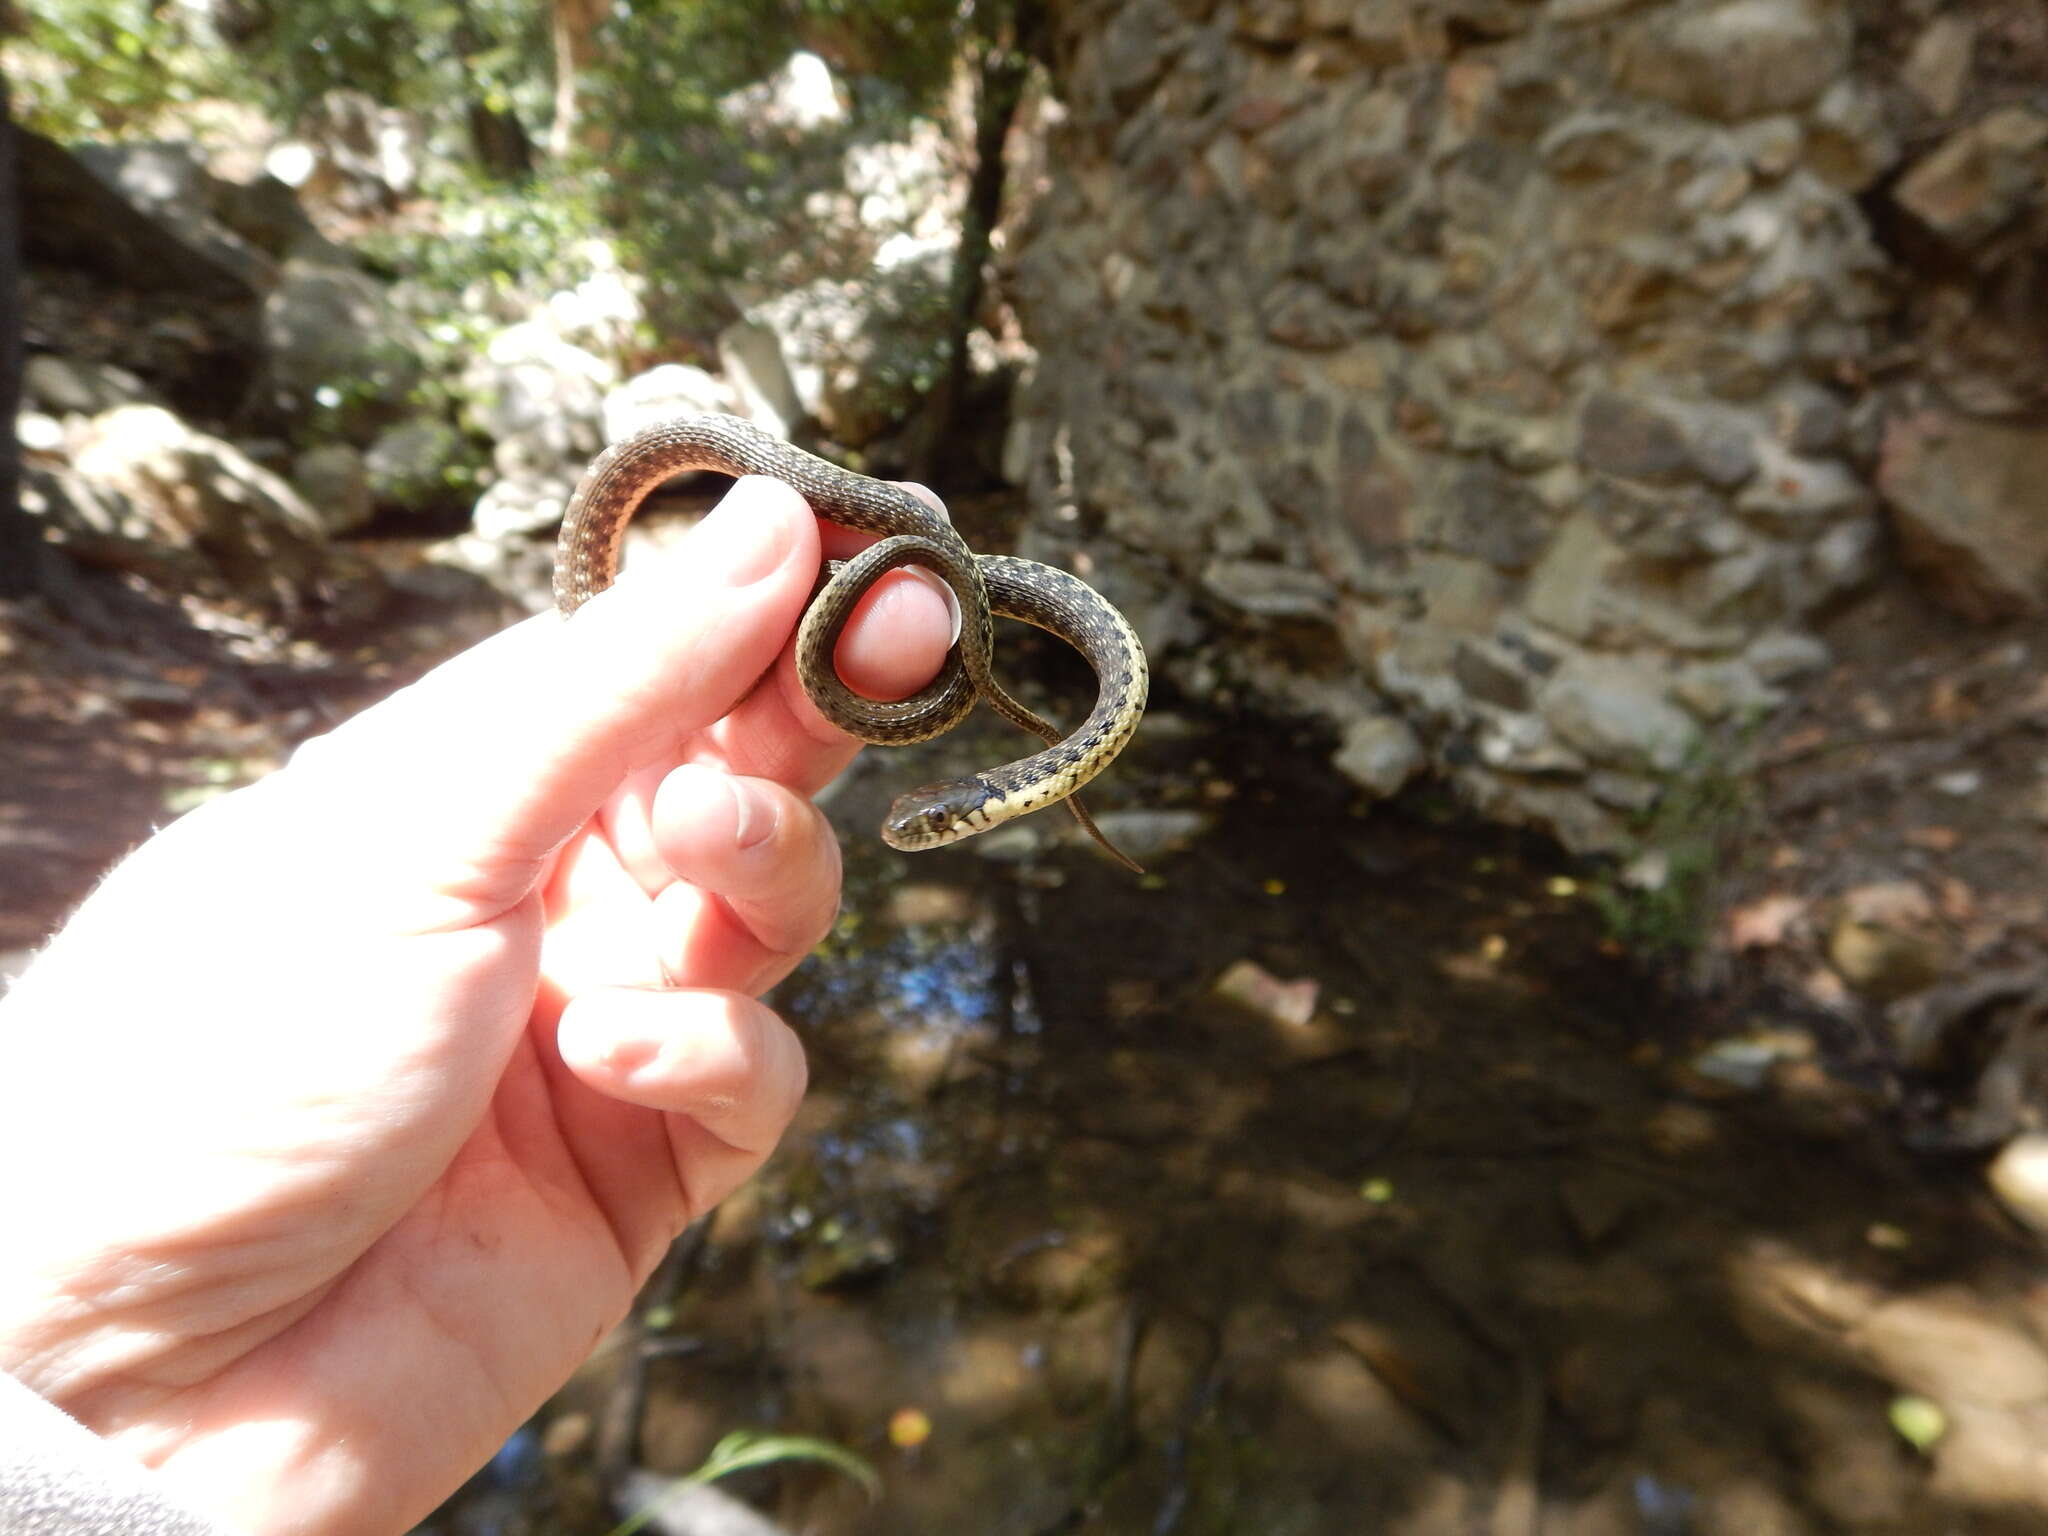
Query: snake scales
(619, 479)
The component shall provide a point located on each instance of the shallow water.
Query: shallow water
(1427, 1229)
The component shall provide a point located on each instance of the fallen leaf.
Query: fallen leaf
(1761, 924)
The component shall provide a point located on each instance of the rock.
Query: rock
(1270, 590)
(334, 340)
(71, 218)
(1492, 516)
(1250, 986)
(1963, 497)
(1738, 58)
(1783, 656)
(682, 1508)
(539, 399)
(38, 433)
(1449, 323)
(855, 348)
(1793, 494)
(1147, 834)
(800, 97)
(2018, 1176)
(1939, 65)
(355, 154)
(71, 386)
(1565, 589)
(518, 505)
(1886, 941)
(1625, 437)
(662, 394)
(1850, 144)
(336, 486)
(1955, 1348)
(407, 465)
(1616, 712)
(1716, 690)
(1976, 181)
(169, 182)
(751, 356)
(165, 486)
(1380, 754)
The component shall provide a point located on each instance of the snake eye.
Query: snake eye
(933, 814)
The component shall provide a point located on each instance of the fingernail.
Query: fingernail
(938, 583)
(752, 821)
(753, 818)
(742, 539)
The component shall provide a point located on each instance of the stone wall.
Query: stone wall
(1509, 382)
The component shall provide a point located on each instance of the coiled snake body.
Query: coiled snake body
(619, 479)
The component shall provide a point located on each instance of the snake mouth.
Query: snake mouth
(933, 815)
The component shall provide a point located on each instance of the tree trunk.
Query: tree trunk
(497, 139)
(575, 24)
(21, 536)
(999, 90)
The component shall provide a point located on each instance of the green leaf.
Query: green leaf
(745, 1449)
(1920, 1421)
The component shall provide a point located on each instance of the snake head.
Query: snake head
(933, 815)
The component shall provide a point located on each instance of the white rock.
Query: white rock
(2018, 1176)
(662, 394)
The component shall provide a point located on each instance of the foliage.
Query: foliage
(1661, 902)
(429, 55)
(744, 1450)
(106, 68)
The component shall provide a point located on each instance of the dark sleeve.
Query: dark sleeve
(57, 1478)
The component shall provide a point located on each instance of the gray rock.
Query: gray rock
(1716, 690)
(751, 356)
(1491, 516)
(1784, 655)
(516, 506)
(1796, 494)
(1147, 834)
(1625, 437)
(335, 484)
(538, 398)
(169, 182)
(1738, 58)
(1523, 744)
(1850, 144)
(1564, 590)
(1380, 754)
(1617, 711)
(409, 463)
(1270, 590)
(68, 386)
(334, 338)
(854, 349)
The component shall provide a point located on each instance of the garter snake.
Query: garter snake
(619, 479)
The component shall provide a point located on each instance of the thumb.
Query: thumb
(494, 759)
(728, 1072)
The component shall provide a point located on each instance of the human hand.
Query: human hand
(350, 1112)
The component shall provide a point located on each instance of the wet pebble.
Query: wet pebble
(2018, 1176)
(1150, 834)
